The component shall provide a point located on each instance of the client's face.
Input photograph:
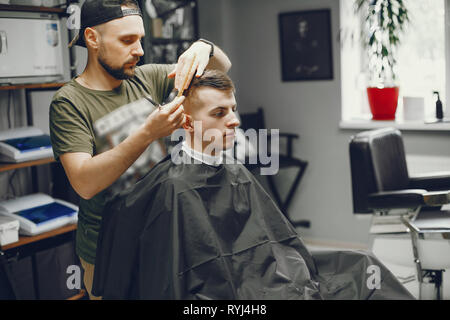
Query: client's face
(215, 109)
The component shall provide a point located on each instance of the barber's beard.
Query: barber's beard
(118, 73)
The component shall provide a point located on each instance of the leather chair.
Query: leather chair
(382, 186)
(286, 160)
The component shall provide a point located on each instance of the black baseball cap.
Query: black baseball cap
(95, 12)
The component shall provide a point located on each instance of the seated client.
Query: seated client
(198, 226)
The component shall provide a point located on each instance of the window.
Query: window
(422, 66)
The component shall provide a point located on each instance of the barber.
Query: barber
(111, 79)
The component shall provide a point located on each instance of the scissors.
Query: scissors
(180, 93)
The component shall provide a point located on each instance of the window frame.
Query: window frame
(352, 62)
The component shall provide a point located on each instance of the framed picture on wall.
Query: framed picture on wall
(305, 43)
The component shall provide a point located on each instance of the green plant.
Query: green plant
(385, 21)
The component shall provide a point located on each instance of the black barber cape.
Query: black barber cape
(196, 231)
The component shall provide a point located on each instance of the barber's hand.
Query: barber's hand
(199, 52)
(166, 119)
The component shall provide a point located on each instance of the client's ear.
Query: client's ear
(188, 125)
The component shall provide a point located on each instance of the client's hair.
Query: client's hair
(210, 78)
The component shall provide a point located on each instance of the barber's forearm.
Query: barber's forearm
(89, 176)
(219, 60)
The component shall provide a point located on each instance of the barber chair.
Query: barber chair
(286, 160)
(402, 204)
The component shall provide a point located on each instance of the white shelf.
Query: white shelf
(362, 124)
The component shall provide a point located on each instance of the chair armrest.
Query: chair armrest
(431, 181)
(436, 198)
(409, 198)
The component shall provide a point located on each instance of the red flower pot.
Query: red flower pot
(383, 102)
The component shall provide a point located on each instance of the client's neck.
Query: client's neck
(198, 147)
(201, 156)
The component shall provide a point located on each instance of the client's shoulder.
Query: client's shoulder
(192, 175)
(180, 175)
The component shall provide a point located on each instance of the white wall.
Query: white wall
(248, 31)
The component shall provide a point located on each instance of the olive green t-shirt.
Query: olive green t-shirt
(73, 112)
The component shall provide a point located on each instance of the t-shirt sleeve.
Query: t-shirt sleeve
(69, 131)
(156, 76)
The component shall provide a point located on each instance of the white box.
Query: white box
(413, 108)
(9, 230)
